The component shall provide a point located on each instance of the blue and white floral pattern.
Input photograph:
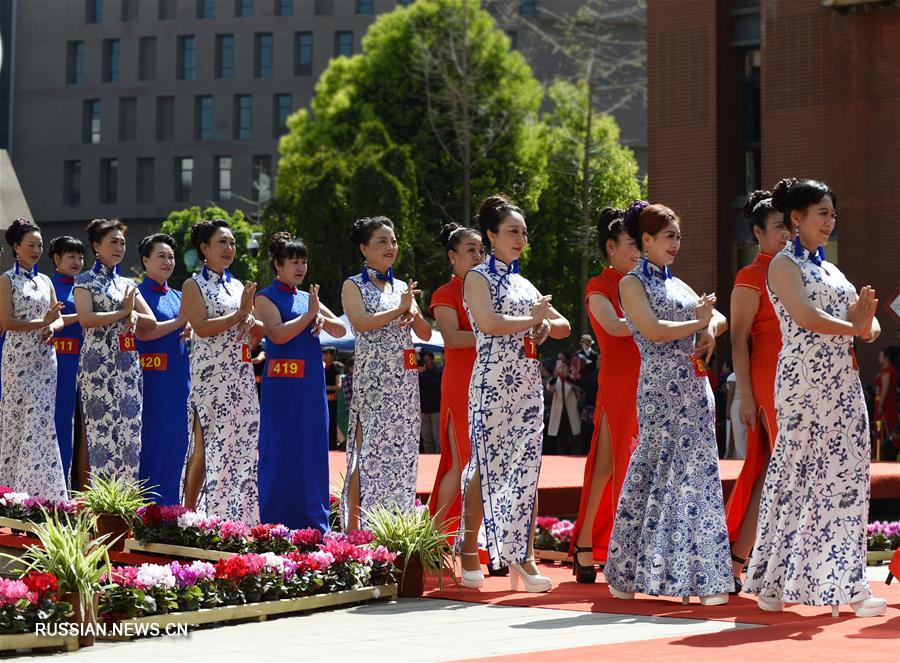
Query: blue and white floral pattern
(811, 533)
(110, 382)
(669, 536)
(29, 455)
(506, 420)
(385, 406)
(224, 401)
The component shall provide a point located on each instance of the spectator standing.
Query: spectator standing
(430, 394)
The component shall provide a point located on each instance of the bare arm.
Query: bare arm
(559, 326)
(279, 331)
(194, 308)
(448, 323)
(637, 306)
(332, 324)
(88, 317)
(478, 297)
(420, 325)
(602, 310)
(51, 319)
(357, 314)
(162, 329)
(744, 305)
(69, 319)
(144, 318)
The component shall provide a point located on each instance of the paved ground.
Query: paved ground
(406, 630)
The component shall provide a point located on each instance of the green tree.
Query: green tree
(587, 170)
(179, 223)
(435, 113)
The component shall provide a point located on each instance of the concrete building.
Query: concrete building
(133, 108)
(744, 92)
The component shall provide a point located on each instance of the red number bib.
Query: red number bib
(409, 359)
(530, 348)
(245, 353)
(700, 368)
(127, 343)
(155, 361)
(853, 356)
(67, 346)
(285, 368)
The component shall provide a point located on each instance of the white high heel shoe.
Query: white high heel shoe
(873, 607)
(533, 583)
(714, 599)
(472, 579)
(769, 605)
(619, 594)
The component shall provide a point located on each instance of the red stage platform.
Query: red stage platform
(561, 476)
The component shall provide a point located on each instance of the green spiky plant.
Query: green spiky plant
(114, 495)
(413, 532)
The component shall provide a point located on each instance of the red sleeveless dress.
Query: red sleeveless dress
(458, 363)
(620, 365)
(766, 335)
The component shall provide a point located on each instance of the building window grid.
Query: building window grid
(92, 118)
(184, 178)
(206, 9)
(282, 106)
(284, 7)
(165, 118)
(243, 124)
(304, 54)
(343, 43)
(203, 122)
(527, 7)
(166, 10)
(112, 49)
(109, 180)
(262, 178)
(225, 56)
(94, 11)
(129, 10)
(243, 8)
(147, 59)
(72, 182)
(222, 178)
(127, 119)
(186, 57)
(75, 68)
(144, 186)
(365, 7)
(264, 55)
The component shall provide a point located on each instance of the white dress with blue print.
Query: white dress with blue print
(506, 419)
(669, 536)
(811, 533)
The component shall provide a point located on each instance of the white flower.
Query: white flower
(17, 499)
(273, 562)
(191, 519)
(155, 575)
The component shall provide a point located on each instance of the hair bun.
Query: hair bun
(632, 217)
(781, 192)
(754, 199)
(447, 230)
(18, 229)
(279, 238)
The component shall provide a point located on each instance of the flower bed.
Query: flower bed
(32, 599)
(882, 538)
(19, 510)
(552, 539)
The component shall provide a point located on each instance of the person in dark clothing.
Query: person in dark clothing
(332, 384)
(430, 395)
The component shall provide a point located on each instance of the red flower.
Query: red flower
(237, 567)
(360, 537)
(5, 489)
(306, 537)
(40, 583)
(150, 514)
(261, 532)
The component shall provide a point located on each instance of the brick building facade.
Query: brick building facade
(744, 92)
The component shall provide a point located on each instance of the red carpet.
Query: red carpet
(806, 633)
(561, 476)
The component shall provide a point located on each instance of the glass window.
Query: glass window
(243, 117)
(513, 38)
(324, 7)
(262, 178)
(282, 107)
(129, 10)
(225, 56)
(222, 182)
(92, 121)
(94, 11)
(243, 8)
(75, 63)
(166, 10)
(284, 7)
(145, 180)
(365, 7)
(186, 55)
(206, 8)
(184, 178)
(72, 183)
(303, 54)
(165, 118)
(526, 7)
(203, 117)
(264, 55)
(109, 180)
(147, 59)
(128, 119)
(111, 59)
(343, 43)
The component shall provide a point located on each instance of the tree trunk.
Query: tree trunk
(466, 128)
(585, 234)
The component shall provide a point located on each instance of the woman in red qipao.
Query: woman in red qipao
(753, 318)
(465, 251)
(615, 416)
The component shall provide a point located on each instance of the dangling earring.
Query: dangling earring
(17, 263)
(798, 248)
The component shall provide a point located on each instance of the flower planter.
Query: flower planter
(32, 641)
(875, 557)
(117, 528)
(552, 556)
(128, 629)
(17, 525)
(411, 582)
(74, 599)
(170, 550)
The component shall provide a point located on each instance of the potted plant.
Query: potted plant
(114, 500)
(421, 544)
(78, 561)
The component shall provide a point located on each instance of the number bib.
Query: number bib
(701, 370)
(530, 348)
(245, 353)
(155, 361)
(67, 346)
(284, 368)
(409, 359)
(127, 343)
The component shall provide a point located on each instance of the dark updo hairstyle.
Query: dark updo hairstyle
(202, 232)
(364, 228)
(792, 194)
(610, 226)
(59, 246)
(145, 246)
(283, 246)
(99, 228)
(493, 211)
(892, 354)
(452, 234)
(757, 209)
(642, 217)
(18, 229)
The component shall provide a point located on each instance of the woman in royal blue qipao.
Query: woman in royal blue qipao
(293, 438)
(166, 367)
(67, 254)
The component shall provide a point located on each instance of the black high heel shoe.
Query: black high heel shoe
(584, 575)
(502, 572)
(738, 584)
